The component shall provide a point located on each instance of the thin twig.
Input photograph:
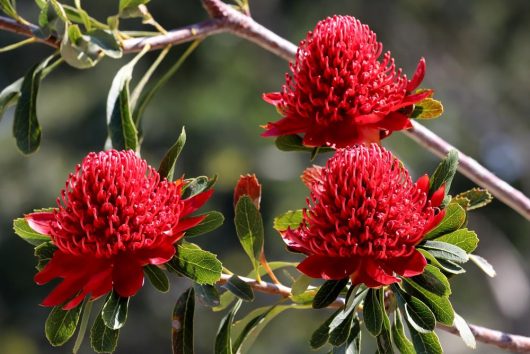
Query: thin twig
(27, 30)
(502, 340)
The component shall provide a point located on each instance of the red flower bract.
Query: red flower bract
(339, 93)
(364, 218)
(115, 216)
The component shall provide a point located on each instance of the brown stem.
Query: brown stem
(502, 340)
(10, 25)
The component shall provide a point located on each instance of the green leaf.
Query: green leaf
(455, 217)
(340, 333)
(114, 312)
(195, 186)
(373, 312)
(121, 127)
(291, 219)
(433, 280)
(167, 166)
(9, 95)
(198, 265)
(353, 343)
(350, 307)
(157, 277)
(9, 8)
(439, 305)
(239, 288)
(321, 335)
(44, 253)
(483, 264)
(25, 232)
(129, 8)
(447, 251)
(444, 173)
(444, 265)
(463, 238)
(250, 326)
(418, 315)
(249, 228)
(182, 328)
(477, 198)
(26, 128)
(300, 285)
(207, 294)
(425, 343)
(398, 335)
(102, 338)
(427, 108)
(223, 341)
(295, 143)
(212, 221)
(465, 332)
(105, 42)
(61, 324)
(328, 292)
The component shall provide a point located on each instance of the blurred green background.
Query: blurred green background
(478, 55)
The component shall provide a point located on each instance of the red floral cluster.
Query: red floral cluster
(339, 92)
(115, 216)
(364, 218)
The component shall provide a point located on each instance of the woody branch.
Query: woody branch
(224, 18)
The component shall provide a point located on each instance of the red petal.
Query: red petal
(434, 221)
(98, 284)
(368, 119)
(438, 196)
(311, 175)
(248, 185)
(293, 242)
(40, 221)
(423, 183)
(59, 266)
(68, 288)
(273, 98)
(285, 126)
(418, 76)
(195, 202)
(127, 276)
(327, 267)
(395, 121)
(188, 223)
(376, 274)
(408, 267)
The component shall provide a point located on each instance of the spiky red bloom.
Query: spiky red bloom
(115, 216)
(364, 218)
(339, 93)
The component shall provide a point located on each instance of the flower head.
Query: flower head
(115, 216)
(339, 92)
(365, 215)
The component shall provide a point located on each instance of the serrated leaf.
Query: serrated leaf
(114, 312)
(321, 335)
(300, 285)
(44, 253)
(373, 312)
(249, 229)
(444, 173)
(455, 217)
(25, 232)
(447, 251)
(240, 288)
(477, 197)
(182, 327)
(427, 108)
(102, 338)
(121, 127)
(9, 96)
(483, 264)
(465, 332)
(463, 238)
(212, 221)
(401, 341)
(425, 343)
(198, 265)
(157, 277)
(433, 280)
(223, 341)
(207, 294)
(167, 165)
(418, 315)
(328, 292)
(291, 219)
(61, 324)
(26, 128)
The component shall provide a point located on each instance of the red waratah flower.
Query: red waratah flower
(115, 216)
(364, 218)
(339, 93)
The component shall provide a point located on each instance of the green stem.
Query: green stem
(84, 324)
(18, 44)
